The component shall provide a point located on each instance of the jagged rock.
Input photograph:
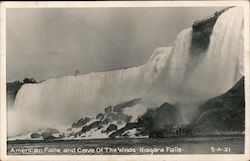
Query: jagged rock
(106, 120)
(120, 132)
(126, 135)
(35, 135)
(76, 134)
(118, 114)
(131, 125)
(111, 127)
(81, 122)
(100, 116)
(96, 124)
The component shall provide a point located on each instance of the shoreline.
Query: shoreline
(112, 139)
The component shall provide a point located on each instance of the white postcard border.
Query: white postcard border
(92, 4)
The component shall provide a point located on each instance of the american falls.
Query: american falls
(172, 74)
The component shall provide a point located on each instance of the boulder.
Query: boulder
(111, 127)
(100, 116)
(35, 135)
(96, 124)
(122, 131)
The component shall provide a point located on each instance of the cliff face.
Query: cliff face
(12, 89)
(225, 113)
(219, 115)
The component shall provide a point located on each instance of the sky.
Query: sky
(44, 43)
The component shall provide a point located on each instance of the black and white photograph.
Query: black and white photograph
(125, 80)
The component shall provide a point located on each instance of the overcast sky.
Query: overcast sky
(44, 43)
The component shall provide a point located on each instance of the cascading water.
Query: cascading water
(82, 95)
(222, 65)
(167, 77)
(172, 75)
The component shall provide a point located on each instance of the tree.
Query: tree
(77, 72)
(18, 82)
(29, 80)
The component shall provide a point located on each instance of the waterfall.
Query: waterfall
(189, 78)
(65, 99)
(222, 65)
(172, 75)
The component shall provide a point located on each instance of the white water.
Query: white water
(166, 77)
(220, 67)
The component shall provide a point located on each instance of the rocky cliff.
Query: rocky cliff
(225, 113)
